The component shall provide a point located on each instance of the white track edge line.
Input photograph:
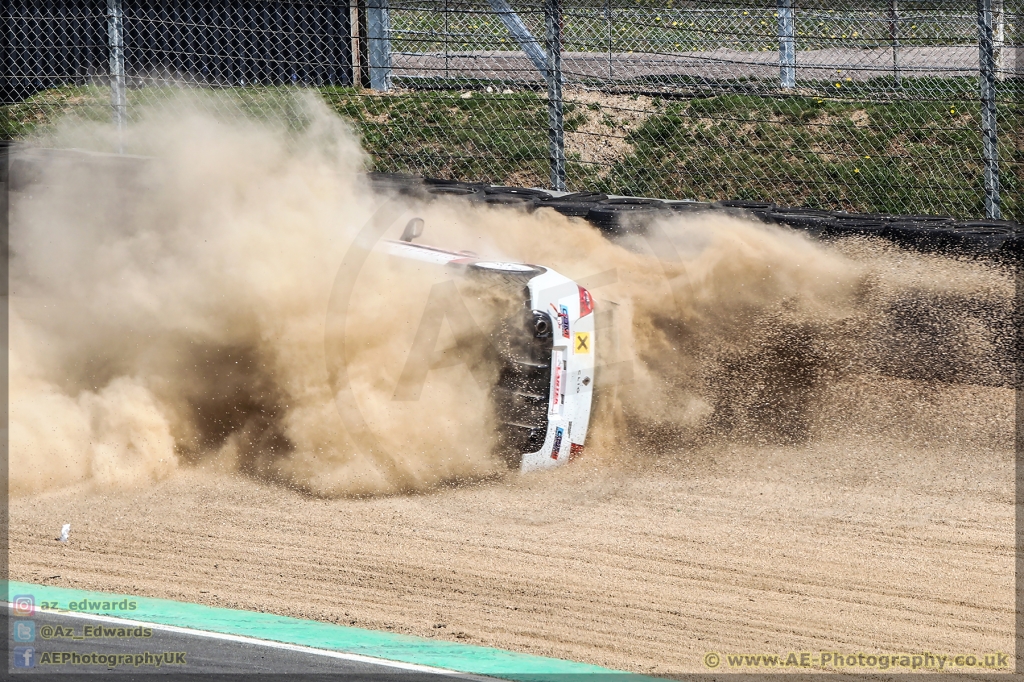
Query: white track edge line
(360, 658)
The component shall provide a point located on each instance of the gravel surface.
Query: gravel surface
(862, 540)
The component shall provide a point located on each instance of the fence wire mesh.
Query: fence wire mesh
(865, 105)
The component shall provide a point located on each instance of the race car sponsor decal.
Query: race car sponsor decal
(582, 345)
(558, 387)
(563, 319)
(558, 443)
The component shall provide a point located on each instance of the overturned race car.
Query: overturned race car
(543, 395)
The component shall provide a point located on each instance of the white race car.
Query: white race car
(544, 391)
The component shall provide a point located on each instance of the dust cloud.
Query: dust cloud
(179, 314)
(732, 331)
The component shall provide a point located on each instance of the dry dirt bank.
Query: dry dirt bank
(853, 543)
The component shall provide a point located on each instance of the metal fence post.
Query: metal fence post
(987, 88)
(356, 49)
(447, 39)
(998, 37)
(894, 36)
(115, 37)
(608, 21)
(787, 45)
(556, 130)
(378, 30)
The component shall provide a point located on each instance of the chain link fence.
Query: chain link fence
(888, 106)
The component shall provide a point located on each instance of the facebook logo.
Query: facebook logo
(24, 631)
(24, 657)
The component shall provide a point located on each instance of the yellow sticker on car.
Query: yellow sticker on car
(582, 344)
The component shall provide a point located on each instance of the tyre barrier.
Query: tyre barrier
(746, 209)
(690, 207)
(623, 215)
(616, 216)
(575, 205)
(31, 166)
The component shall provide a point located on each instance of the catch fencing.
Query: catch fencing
(887, 106)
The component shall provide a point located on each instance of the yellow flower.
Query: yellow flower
(867, 156)
(856, 170)
(838, 85)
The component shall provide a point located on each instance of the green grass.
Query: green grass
(92, 103)
(906, 157)
(487, 136)
(43, 108)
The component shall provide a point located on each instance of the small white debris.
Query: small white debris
(64, 530)
(506, 91)
(490, 89)
(466, 95)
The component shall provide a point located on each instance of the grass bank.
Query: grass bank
(909, 157)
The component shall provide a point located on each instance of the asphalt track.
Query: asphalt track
(944, 61)
(208, 642)
(203, 653)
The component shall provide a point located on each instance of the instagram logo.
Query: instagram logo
(24, 605)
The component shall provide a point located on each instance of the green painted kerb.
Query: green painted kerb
(394, 647)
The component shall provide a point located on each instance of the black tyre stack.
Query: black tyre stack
(926, 233)
(390, 184)
(576, 205)
(616, 216)
(515, 197)
(625, 215)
